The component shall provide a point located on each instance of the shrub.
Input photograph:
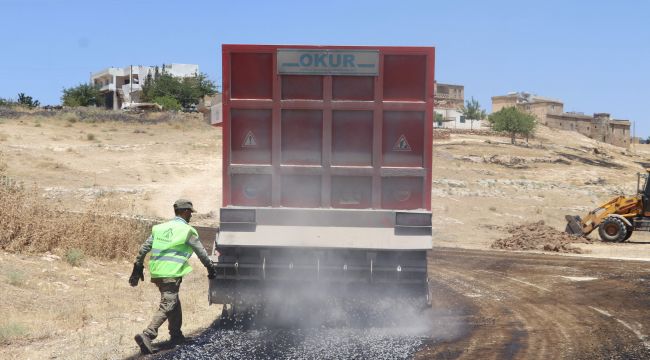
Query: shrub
(27, 101)
(74, 257)
(186, 91)
(15, 277)
(7, 102)
(82, 95)
(11, 331)
(71, 118)
(167, 103)
(90, 136)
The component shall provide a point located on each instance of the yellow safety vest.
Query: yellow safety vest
(169, 251)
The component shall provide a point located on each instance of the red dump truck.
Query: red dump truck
(326, 170)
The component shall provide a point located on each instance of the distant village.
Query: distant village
(122, 87)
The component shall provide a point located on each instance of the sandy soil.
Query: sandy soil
(50, 309)
(145, 167)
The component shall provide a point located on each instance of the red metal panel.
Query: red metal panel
(301, 191)
(250, 138)
(252, 75)
(351, 192)
(302, 134)
(405, 77)
(403, 138)
(401, 192)
(352, 138)
(251, 190)
(302, 87)
(331, 140)
(353, 88)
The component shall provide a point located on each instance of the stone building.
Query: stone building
(448, 96)
(550, 112)
(448, 100)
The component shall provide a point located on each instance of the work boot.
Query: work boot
(181, 339)
(145, 343)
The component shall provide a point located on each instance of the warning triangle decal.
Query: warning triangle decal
(402, 144)
(249, 140)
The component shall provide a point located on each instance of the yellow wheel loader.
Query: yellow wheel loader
(619, 217)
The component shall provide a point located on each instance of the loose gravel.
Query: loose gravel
(299, 344)
(383, 330)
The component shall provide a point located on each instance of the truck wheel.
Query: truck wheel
(612, 230)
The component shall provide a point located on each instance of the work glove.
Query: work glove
(137, 274)
(212, 271)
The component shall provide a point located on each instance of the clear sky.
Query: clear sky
(593, 55)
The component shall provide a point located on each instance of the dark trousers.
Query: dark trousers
(169, 309)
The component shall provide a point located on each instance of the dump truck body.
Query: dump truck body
(326, 170)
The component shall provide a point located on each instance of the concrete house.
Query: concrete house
(123, 86)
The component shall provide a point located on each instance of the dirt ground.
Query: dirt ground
(50, 309)
(481, 186)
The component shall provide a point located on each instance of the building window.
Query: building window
(462, 119)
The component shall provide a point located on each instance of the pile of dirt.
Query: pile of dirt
(538, 236)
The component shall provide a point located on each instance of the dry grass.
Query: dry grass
(33, 224)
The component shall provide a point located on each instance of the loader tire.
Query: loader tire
(613, 230)
(629, 233)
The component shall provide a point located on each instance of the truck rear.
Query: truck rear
(326, 172)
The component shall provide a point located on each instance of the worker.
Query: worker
(171, 245)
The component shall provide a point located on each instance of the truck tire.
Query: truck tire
(613, 230)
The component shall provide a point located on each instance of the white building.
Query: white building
(454, 119)
(122, 86)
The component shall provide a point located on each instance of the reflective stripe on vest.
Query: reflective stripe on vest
(169, 250)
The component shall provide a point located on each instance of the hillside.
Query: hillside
(479, 182)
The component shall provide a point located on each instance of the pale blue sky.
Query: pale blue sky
(593, 55)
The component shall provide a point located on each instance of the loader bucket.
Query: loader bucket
(573, 225)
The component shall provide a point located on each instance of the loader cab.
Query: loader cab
(643, 189)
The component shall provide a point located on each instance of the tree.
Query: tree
(187, 91)
(472, 111)
(167, 103)
(513, 121)
(27, 101)
(82, 95)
